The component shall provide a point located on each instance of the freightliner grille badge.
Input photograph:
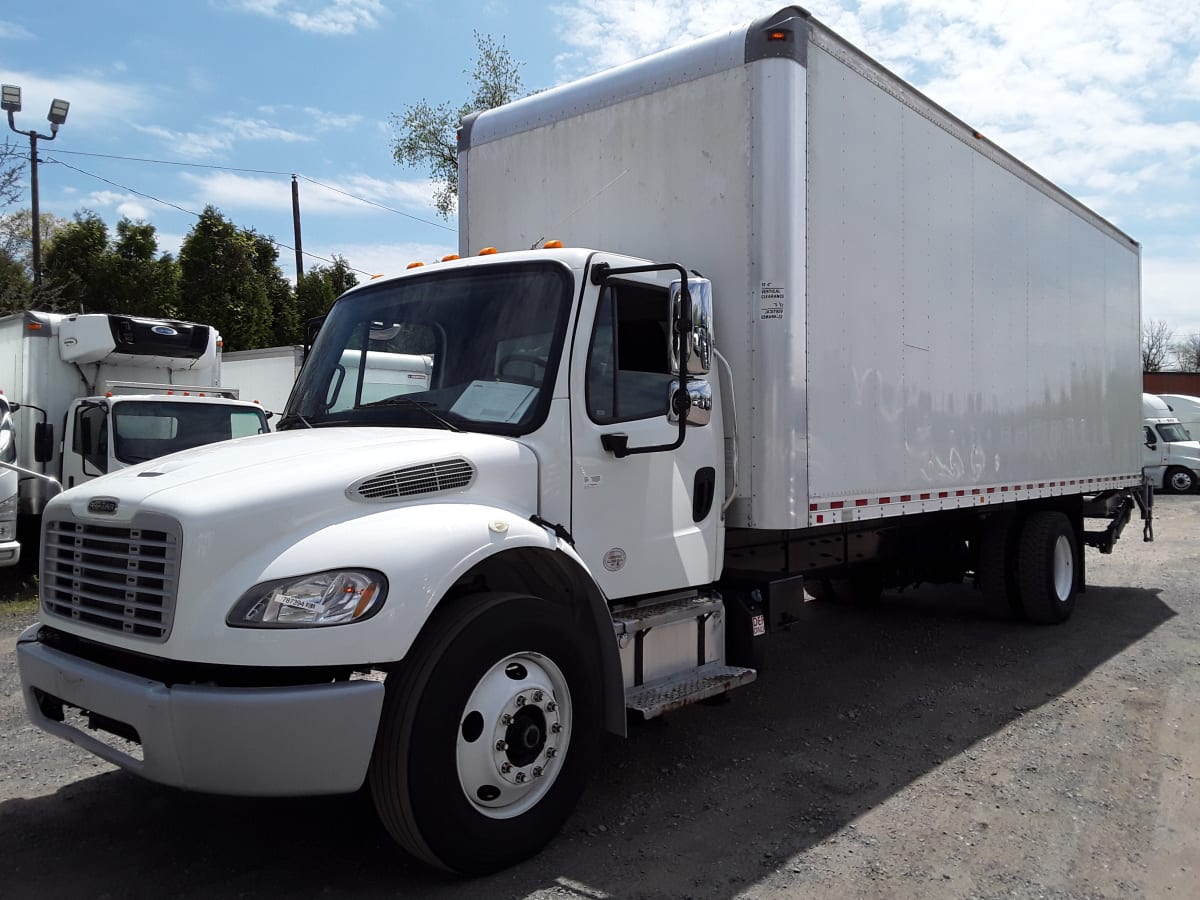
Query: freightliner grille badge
(102, 505)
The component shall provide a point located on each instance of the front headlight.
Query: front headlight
(325, 598)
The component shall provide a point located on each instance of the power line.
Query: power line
(126, 187)
(328, 187)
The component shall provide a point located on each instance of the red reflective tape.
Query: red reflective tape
(820, 519)
(904, 498)
(991, 490)
(860, 502)
(926, 496)
(812, 507)
(885, 500)
(836, 504)
(1004, 490)
(956, 494)
(974, 490)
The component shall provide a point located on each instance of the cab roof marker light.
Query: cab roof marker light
(414, 265)
(377, 275)
(450, 257)
(552, 245)
(488, 251)
(34, 326)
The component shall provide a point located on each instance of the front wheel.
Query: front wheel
(488, 733)
(1180, 481)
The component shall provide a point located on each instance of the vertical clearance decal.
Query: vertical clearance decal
(771, 301)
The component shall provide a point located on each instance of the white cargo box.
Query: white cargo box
(915, 320)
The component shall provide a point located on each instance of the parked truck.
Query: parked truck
(825, 332)
(266, 375)
(1170, 457)
(93, 393)
(1185, 408)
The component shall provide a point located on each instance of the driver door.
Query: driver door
(649, 522)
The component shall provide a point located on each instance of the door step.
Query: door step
(679, 690)
(665, 612)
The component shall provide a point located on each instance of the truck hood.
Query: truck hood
(295, 473)
(1184, 452)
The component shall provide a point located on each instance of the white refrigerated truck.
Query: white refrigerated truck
(93, 393)
(265, 375)
(827, 331)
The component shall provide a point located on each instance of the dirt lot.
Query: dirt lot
(921, 749)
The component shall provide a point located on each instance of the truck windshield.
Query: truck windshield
(470, 348)
(1173, 433)
(148, 429)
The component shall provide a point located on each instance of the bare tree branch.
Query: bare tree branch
(1156, 344)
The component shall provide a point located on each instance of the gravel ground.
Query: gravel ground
(923, 749)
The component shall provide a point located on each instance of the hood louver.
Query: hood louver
(411, 481)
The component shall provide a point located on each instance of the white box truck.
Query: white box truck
(908, 358)
(265, 375)
(93, 393)
(1170, 457)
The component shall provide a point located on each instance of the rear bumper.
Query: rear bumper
(276, 741)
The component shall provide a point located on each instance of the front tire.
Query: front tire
(1180, 480)
(488, 733)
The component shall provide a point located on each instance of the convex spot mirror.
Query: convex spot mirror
(699, 410)
(701, 339)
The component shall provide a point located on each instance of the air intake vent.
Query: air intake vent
(427, 478)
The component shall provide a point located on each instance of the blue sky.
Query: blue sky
(1101, 96)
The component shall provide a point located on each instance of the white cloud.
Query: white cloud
(1171, 291)
(127, 205)
(228, 189)
(98, 101)
(388, 259)
(327, 17)
(14, 32)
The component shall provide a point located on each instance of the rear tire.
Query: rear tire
(1179, 480)
(1047, 565)
(488, 733)
(996, 565)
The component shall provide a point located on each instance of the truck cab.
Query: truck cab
(1171, 459)
(103, 434)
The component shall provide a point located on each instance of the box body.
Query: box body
(908, 311)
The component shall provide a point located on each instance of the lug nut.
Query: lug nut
(551, 753)
(537, 771)
(537, 696)
(505, 767)
(556, 728)
(520, 700)
(506, 719)
(520, 778)
(551, 706)
(501, 745)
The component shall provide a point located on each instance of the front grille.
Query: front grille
(121, 578)
(446, 475)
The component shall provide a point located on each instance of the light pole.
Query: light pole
(10, 102)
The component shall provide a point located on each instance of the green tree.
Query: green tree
(143, 282)
(221, 283)
(320, 286)
(426, 135)
(16, 235)
(285, 323)
(76, 260)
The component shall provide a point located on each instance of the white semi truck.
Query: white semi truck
(827, 332)
(93, 393)
(1170, 456)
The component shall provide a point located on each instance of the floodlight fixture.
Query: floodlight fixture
(58, 112)
(10, 98)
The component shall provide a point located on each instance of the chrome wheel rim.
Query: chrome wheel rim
(513, 735)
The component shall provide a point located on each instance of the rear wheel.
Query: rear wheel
(1046, 565)
(995, 565)
(488, 733)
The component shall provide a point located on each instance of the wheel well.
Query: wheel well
(556, 577)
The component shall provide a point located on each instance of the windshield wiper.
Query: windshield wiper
(409, 403)
(292, 420)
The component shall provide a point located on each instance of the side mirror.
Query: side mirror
(700, 348)
(43, 442)
(699, 410)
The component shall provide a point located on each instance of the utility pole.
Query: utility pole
(296, 228)
(10, 102)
